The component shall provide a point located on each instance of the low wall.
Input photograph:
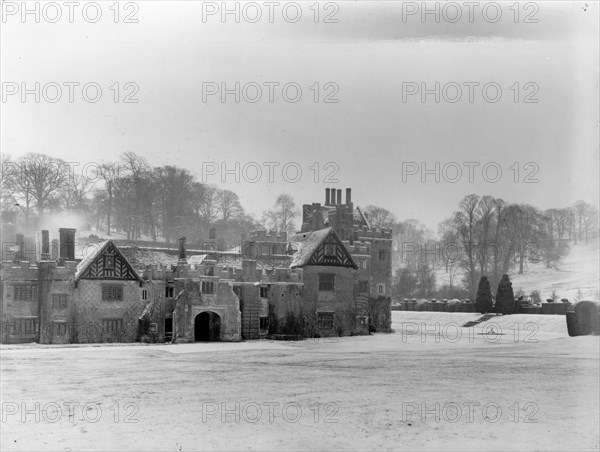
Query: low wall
(545, 308)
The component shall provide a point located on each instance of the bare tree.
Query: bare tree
(486, 212)
(379, 217)
(9, 190)
(590, 220)
(228, 204)
(109, 172)
(75, 192)
(466, 221)
(175, 199)
(38, 180)
(283, 214)
(138, 177)
(205, 202)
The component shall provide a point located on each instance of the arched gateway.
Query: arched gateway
(207, 327)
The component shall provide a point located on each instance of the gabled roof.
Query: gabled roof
(93, 255)
(262, 262)
(140, 257)
(90, 253)
(310, 249)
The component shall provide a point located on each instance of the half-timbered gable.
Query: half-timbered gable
(106, 263)
(322, 247)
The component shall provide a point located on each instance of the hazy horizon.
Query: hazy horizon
(369, 58)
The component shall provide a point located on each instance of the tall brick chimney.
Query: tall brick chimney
(54, 250)
(327, 196)
(20, 252)
(339, 196)
(45, 246)
(332, 197)
(67, 244)
(182, 256)
(348, 195)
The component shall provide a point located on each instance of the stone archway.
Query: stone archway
(207, 327)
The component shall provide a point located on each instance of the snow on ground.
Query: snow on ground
(514, 388)
(577, 271)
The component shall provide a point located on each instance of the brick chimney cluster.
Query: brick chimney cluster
(333, 197)
(63, 250)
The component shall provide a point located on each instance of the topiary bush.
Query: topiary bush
(505, 298)
(483, 301)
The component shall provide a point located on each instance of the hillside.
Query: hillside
(577, 271)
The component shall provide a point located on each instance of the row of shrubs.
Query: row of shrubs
(522, 308)
(504, 302)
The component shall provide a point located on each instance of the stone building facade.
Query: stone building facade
(332, 278)
(371, 249)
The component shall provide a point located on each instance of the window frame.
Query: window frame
(329, 249)
(325, 320)
(362, 286)
(27, 289)
(26, 326)
(60, 301)
(263, 323)
(109, 258)
(108, 323)
(324, 285)
(60, 328)
(207, 287)
(112, 292)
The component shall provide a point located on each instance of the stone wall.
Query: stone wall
(190, 303)
(91, 310)
(341, 301)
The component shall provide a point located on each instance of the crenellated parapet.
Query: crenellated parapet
(373, 233)
(268, 236)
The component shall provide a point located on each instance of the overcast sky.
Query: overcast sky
(368, 57)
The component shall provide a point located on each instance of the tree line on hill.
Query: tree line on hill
(131, 197)
(486, 236)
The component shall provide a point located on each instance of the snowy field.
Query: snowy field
(523, 385)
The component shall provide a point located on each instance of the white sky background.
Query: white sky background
(368, 133)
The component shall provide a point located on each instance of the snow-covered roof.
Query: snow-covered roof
(305, 244)
(90, 254)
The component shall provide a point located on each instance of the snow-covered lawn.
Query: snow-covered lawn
(522, 387)
(575, 277)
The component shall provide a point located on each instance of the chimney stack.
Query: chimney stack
(182, 257)
(339, 196)
(327, 196)
(54, 250)
(20, 252)
(45, 246)
(67, 244)
(332, 197)
(348, 195)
